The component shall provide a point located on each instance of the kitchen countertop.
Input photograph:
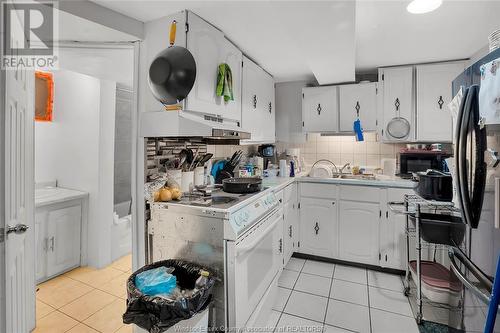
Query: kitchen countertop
(50, 195)
(384, 181)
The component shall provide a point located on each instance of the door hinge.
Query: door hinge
(383, 77)
(2, 235)
(187, 27)
(386, 257)
(376, 91)
(376, 122)
(302, 124)
(302, 95)
(242, 64)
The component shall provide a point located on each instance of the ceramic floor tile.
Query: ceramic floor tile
(126, 329)
(384, 280)
(42, 309)
(295, 264)
(272, 320)
(85, 306)
(351, 274)
(290, 323)
(96, 278)
(109, 318)
(124, 264)
(389, 300)
(56, 322)
(117, 286)
(313, 284)
(306, 306)
(319, 268)
(349, 316)
(349, 292)
(332, 329)
(288, 278)
(82, 328)
(281, 298)
(61, 293)
(386, 322)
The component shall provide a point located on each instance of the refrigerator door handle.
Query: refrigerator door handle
(455, 253)
(458, 146)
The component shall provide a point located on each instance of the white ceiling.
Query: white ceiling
(304, 39)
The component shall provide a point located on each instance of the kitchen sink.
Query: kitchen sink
(360, 177)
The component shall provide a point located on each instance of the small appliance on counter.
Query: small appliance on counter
(268, 153)
(416, 160)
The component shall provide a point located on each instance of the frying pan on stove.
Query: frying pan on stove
(172, 73)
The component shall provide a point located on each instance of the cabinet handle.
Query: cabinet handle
(52, 241)
(270, 107)
(387, 214)
(255, 101)
(316, 228)
(386, 257)
(357, 107)
(319, 109)
(440, 102)
(281, 245)
(397, 104)
(290, 231)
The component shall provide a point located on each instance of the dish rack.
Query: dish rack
(414, 206)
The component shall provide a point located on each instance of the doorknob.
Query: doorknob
(18, 229)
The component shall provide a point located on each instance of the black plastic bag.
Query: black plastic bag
(157, 314)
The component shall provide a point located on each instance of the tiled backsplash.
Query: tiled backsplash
(344, 149)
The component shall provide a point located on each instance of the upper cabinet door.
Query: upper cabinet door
(397, 100)
(210, 48)
(358, 101)
(320, 109)
(252, 106)
(269, 120)
(434, 123)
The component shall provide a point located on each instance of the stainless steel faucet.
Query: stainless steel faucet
(347, 165)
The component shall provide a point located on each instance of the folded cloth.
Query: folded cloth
(225, 82)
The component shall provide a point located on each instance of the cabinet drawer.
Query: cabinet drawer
(360, 193)
(289, 193)
(318, 190)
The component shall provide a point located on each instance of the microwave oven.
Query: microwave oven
(411, 161)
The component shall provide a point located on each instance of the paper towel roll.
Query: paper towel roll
(283, 169)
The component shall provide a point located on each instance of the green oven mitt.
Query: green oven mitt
(225, 82)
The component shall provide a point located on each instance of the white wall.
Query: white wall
(77, 149)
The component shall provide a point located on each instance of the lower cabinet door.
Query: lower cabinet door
(358, 234)
(317, 223)
(40, 245)
(288, 230)
(63, 243)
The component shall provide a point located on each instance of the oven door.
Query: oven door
(258, 258)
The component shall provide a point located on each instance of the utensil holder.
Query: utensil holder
(187, 181)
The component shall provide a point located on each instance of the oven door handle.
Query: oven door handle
(240, 249)
(453, 253)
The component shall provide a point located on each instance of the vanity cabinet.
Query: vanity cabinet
(258, 106)
(434, 123)
(358, 101)
(57, 238)
(320, 109)
(397, 100)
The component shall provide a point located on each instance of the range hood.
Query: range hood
(189, 124)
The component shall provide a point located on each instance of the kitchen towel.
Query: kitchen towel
(225, 82)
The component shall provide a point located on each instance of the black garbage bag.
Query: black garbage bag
(157, 314)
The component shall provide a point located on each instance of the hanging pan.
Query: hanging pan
(172, 73)
(398, 127)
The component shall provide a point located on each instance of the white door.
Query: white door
(358, 232)
(433, 96)
(268, 122)
(204, 42)
(19, 200)
(252, 105)
(358, 101)
(397, 99)
(319, 109)
(63, 245)
(317, 225)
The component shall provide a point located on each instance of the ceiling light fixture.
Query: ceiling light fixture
(423, 6)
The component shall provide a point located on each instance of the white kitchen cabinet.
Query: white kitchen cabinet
(392, 230)
(289, 112)
(434, 122)
(58, 239)
(320, 109)
(317, 224)
(291, 222)
(358, 101)
(210, 48)
(397, 100)
(258, 109)
(358, 231)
